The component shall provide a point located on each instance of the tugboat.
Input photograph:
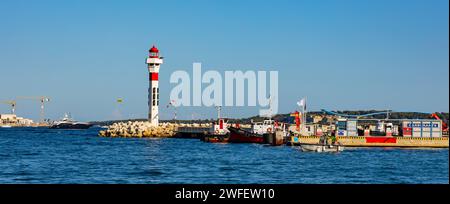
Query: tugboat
(219, 132)
(68, 123)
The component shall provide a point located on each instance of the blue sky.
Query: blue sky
(340, 54)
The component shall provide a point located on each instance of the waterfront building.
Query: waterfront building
(13, 120)
(8, 118)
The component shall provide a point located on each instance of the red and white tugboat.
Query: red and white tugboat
(219, 132)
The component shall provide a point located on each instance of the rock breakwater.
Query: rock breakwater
(145, 129)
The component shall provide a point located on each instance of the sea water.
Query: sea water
(41, 155)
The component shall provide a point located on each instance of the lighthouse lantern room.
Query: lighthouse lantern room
(153, 62)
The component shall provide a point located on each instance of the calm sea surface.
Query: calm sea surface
(40, 155)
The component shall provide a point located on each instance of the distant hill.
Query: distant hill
(288, 119)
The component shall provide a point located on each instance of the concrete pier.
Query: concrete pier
(349, 141)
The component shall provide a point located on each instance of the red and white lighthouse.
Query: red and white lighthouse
(153, 62)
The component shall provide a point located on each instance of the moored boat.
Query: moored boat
(238, 135)
(258, 134)
(321, 148)
(326, 144)
(218, 133)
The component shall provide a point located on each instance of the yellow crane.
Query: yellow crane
(12, 103)
(42, 99)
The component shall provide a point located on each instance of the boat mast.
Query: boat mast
(270, 107)
(218, 111)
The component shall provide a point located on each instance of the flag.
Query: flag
(301, 102)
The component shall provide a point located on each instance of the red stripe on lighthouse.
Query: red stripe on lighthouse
(154, 76)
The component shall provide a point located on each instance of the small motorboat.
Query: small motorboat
(321, 148)
(6, 126)
(326, 144)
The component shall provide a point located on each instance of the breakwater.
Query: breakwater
(168, 129)
(146, 129)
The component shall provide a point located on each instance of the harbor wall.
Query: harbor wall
(360, 141)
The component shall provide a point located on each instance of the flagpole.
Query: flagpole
(304, 107)
(303, 114)
(301, 126)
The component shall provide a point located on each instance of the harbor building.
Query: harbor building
(13, 120)
(317, 119)
(153, 62)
